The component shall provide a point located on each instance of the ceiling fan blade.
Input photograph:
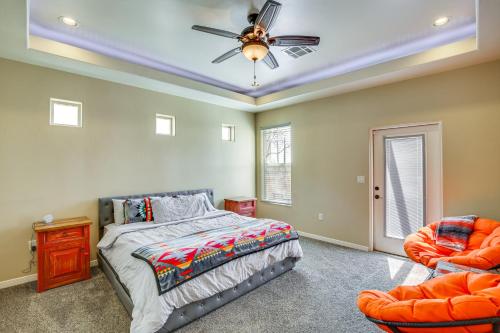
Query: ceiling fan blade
(217, 32)
(227, 55)
(293, 40)
(271, 61)
(267, 15)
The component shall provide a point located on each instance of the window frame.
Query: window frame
(172, 123)
(262, 166)
(54, 101)
(232, 134)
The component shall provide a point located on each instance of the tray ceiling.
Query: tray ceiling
(158, 34)
(150, 44)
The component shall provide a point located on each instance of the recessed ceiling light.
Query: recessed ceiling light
(441, 21)
(68, 21)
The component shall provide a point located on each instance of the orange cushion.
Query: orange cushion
(482, 229)
(483, 248)
(492, 240)
(452, 297)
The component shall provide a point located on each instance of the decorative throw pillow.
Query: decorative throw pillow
(169, 209)
(453, 232)
(138, 210)
(118, 211)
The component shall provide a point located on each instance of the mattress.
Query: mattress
(151, 310)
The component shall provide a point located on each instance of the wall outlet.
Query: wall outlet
(32, 245)
(321, 216)
(360, 179)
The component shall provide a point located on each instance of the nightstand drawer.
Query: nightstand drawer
(244, 211)
(246, 204)
(64, 234)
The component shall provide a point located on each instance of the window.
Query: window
(165, 125)
(65, 113)
(277, 164)
(227, 132)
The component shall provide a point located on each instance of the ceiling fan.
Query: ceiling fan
(255, 38)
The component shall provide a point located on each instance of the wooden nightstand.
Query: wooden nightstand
(242, 205)
(63, 252)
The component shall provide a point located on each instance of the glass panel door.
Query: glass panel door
(407, 185)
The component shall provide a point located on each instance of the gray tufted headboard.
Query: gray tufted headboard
(106, 204)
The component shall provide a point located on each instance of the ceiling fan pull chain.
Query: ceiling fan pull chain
(254, 84)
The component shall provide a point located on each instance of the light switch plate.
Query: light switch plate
(361, 179)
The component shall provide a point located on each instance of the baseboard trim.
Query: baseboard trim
(29, 278)
(17, 281)
(334, 241)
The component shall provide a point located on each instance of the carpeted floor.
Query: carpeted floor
(319, 295)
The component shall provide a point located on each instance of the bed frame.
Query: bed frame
(186, 314)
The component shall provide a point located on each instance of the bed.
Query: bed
(131, 279)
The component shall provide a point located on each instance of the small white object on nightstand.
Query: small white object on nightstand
(48, 218)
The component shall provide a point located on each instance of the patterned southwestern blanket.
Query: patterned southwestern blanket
(178, 260)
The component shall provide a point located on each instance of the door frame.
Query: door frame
(371, 169)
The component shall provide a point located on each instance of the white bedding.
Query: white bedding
(151, 310)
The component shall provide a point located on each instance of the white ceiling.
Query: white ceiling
(161, 31)
(364, 43)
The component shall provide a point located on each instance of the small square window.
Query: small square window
(227, 132)
(165, 125)
(65, 113)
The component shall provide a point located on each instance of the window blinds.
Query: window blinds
(405, 190)
(277, 165)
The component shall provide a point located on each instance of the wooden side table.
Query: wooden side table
(245, 206)
(63, 251)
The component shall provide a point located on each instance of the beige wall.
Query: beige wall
(331, 143)
(59, 170)
(46, 169)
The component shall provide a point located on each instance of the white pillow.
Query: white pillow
(169, 209)
(118, 212)
(210, 207)
(208, 204)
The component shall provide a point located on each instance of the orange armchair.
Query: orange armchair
(483, 249)
(458, 302)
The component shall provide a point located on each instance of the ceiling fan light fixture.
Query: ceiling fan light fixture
(255, 50)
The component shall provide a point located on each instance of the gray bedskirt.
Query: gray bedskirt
(188, 313)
